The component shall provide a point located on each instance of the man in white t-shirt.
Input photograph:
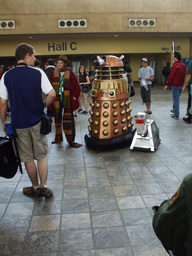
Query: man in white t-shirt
(23, 85)
(146, 76)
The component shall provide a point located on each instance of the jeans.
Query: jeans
(176, 91)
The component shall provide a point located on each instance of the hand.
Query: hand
(166, 87)
(184, 88)
(74, 98)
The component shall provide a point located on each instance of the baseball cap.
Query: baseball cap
(144, 60)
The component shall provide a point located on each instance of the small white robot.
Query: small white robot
(146, 137)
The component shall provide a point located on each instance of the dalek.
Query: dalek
(110, 121)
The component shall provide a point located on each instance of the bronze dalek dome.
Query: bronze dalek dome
(111, 121)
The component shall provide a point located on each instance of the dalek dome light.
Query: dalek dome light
(110, 61)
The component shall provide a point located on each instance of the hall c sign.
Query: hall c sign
(64, 46)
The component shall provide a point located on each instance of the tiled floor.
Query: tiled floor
(102, 200)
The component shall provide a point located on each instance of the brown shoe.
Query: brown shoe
(46, 192)
(75, 145)
(30, 191)
(58, 139)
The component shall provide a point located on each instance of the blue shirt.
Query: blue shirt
(146, 72)
(24, 87)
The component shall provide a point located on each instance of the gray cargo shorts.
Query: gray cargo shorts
(31, 143)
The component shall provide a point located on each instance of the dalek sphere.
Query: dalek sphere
(110, 121)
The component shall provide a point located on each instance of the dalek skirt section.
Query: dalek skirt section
(110, 120)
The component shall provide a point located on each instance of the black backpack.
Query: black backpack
(9, 160)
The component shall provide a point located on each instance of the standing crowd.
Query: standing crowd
(58, 89)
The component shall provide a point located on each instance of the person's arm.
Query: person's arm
(151, 78)
(3, 102)
(50, 97)
(171, 78)
(187, 78)
(3, 111)
(88, 80)
(47, 89)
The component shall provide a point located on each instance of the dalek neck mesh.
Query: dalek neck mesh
(109, 73)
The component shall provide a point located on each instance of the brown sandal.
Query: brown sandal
(75, 145)
(30, 191)
(46, 192)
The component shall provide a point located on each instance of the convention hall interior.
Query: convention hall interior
(102, 197)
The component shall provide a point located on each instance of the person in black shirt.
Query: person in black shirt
(84, 83)
(166, 71)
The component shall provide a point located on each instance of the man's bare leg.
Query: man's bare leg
(148, 106)
(43, 171)
(32, 172)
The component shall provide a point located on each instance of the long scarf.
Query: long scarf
(60, 84)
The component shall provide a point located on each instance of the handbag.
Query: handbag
(86, 88)
(45, 124)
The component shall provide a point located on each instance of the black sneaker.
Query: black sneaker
(174, 116)
(84, 112)
(187, 119)
(172, 111)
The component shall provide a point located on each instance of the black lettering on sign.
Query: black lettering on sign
(62, 47)
(51, 47)
(165, 48)
(58, 47)
(73, 46)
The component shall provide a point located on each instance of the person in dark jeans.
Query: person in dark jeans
(176, 81)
